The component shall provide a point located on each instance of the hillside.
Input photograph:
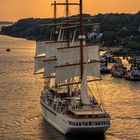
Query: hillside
(116, 29)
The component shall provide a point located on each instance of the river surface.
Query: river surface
(20, 112)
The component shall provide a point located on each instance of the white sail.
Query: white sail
(39, 66)
(51, 48)
(70, 55)
(84, 88)
(46, 50)
(68, 62)
(49, 67)
(65, 72)
(40, 48)
(40, 57)
(51, 55)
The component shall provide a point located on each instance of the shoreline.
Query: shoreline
(113, 49)
(16, 38)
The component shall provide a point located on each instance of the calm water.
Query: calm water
(20, 113)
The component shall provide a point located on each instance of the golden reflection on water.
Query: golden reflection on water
(20, 111)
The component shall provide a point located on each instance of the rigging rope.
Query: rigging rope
(98, 91)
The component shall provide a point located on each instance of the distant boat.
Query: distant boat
(118, 70)
(103, 66)
(134, 59)
(8, 50)
(109, 57)
(134, 73)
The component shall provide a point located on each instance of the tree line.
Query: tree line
(115, 29)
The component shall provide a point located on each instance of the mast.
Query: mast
(81, 39)
(55, 34)
(67, 3)
(67, 8)
(67, 16)
(54, 10)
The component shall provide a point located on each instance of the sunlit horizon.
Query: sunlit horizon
(13, 10)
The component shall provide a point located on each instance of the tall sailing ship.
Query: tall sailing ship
(68, 66)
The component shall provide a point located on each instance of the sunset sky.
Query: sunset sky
(12, 10)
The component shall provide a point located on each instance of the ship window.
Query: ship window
(78, 123)
(89, 123)
(97, 123)
(84, 123)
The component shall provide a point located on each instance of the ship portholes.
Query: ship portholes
(88, 123)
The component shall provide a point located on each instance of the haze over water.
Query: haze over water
(20, 112)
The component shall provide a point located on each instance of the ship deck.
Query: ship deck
(94, 110)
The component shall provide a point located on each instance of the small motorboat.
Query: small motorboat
(109, 57)
(8, 50)
(133, 74)
(104, 66)
(118, 70)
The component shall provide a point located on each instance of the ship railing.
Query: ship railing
(71, 114)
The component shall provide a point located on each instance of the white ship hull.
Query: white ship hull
(62, 122)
